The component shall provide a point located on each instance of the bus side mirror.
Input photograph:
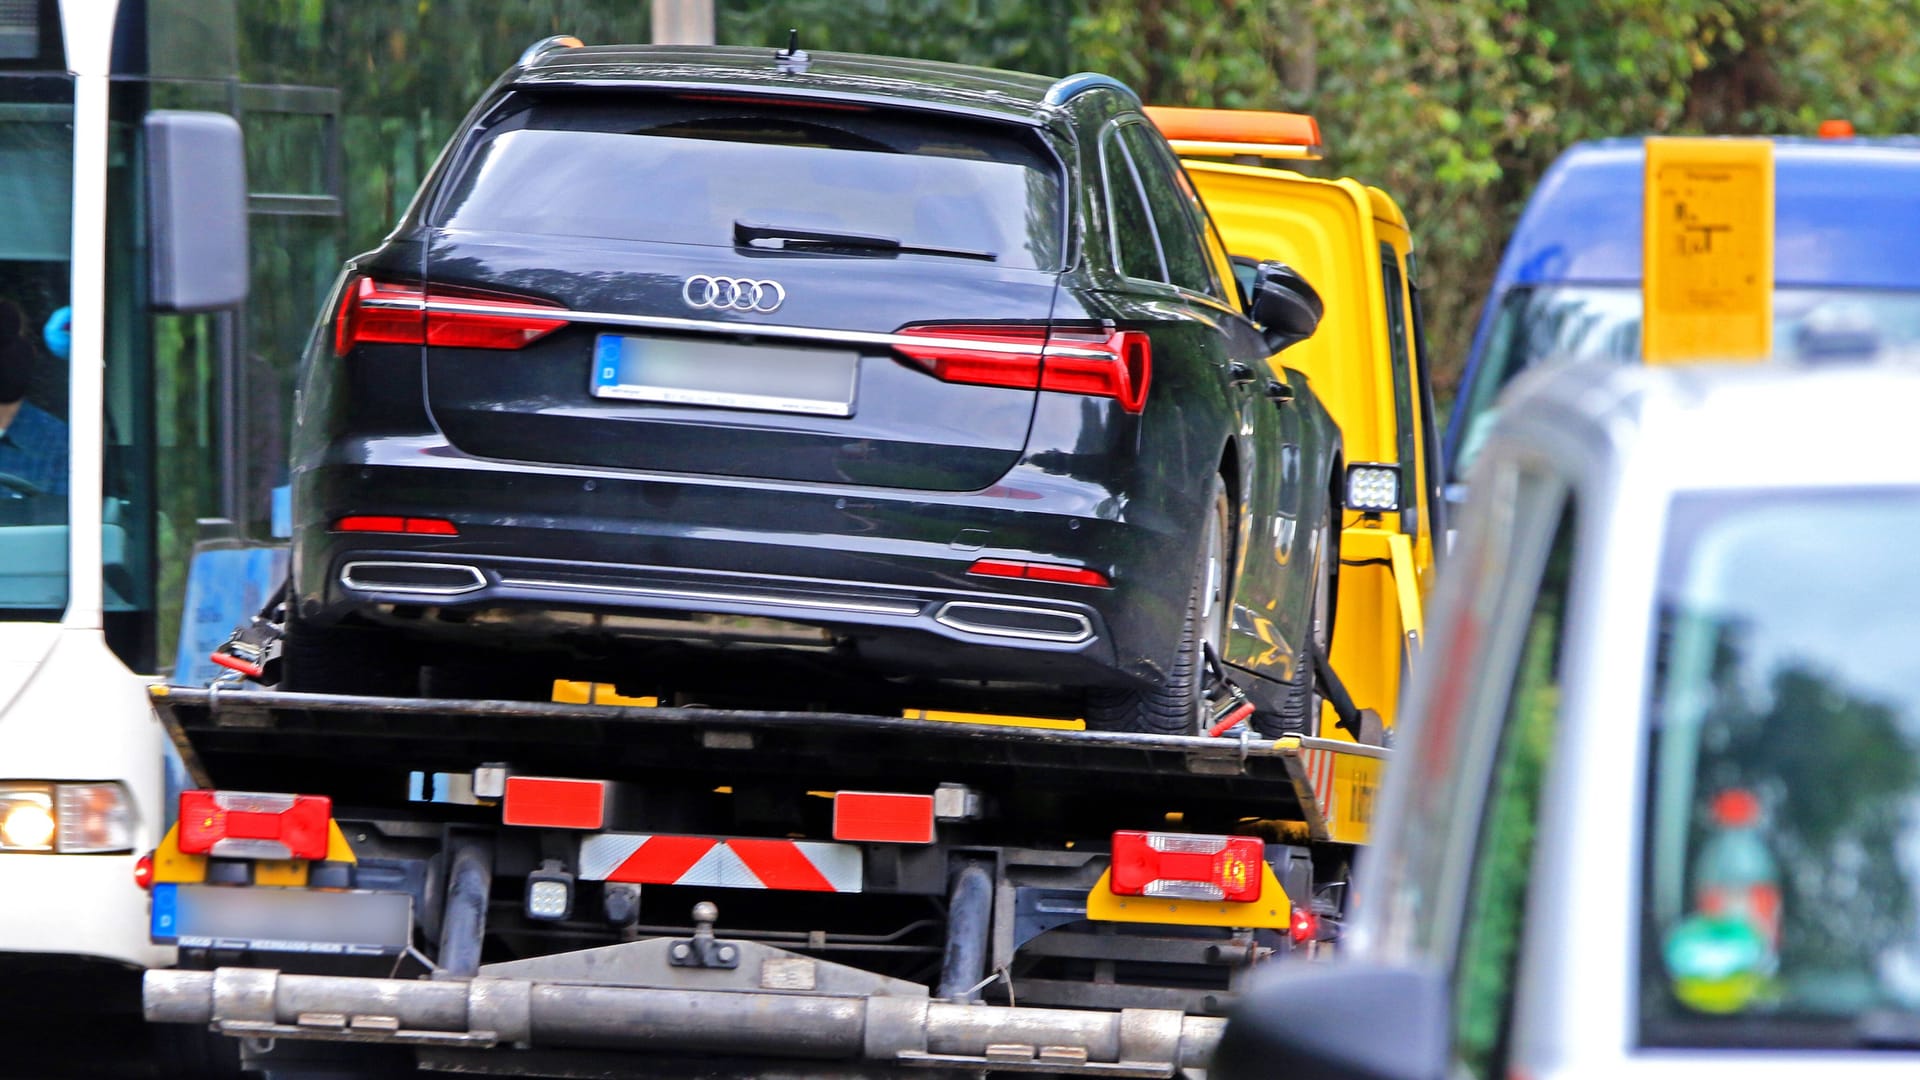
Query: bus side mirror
(196, 211)
(1285, 306)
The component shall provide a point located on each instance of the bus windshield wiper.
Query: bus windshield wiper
(745, 233)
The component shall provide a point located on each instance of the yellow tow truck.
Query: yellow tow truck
(1368, 361)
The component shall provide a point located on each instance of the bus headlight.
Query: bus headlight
(70, 819)
(26, 818)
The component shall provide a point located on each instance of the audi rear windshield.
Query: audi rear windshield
(696, 169)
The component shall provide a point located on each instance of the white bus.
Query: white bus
(123, 270)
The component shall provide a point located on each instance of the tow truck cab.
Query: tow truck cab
(1367, 359)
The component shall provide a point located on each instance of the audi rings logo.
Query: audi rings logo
(732, 294)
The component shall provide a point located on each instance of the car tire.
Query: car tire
(1177, 705)
(1300, 709)
(347, 660)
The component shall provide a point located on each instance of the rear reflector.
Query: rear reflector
(1187, 866)
(1304, 927)
(379, 312)
(1098, 363)
(254, 825)
(883, 817)
(1031, 571)
(385, 523)
(555, 803)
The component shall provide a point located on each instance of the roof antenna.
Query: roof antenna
(791, 58)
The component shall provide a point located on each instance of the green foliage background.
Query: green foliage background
(1454, 106)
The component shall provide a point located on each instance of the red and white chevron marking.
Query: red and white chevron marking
(649, 859)
(1319, 768)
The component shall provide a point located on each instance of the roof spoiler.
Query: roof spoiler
(1239, 133)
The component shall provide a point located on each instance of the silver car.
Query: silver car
(1657, 804)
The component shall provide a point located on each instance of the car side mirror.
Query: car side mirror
(1286, 308)
(1341, 1021)
(196, 211)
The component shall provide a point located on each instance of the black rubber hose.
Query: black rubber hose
(469, 885)
(969, 913)
(1336, 692)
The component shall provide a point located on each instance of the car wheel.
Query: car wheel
(347, 660)
(1177, 705)
(1300, 709)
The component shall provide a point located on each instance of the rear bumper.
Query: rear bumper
(75, 912)
(610, 556)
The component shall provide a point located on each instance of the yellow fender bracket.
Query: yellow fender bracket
(173, 866)
(1406, 587)
(1273, 911)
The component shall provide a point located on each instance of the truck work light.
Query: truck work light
(1373, 487)
(549, 892)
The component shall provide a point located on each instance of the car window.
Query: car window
(1237, 296)
(1429, 431)
(1554, 324)
(1402, 383)
(1173, 216)
(1781, 891)
(1136, 251)
(1461, 693)
(685, 170)
(1484, 968)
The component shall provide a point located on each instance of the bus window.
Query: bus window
(36, 186)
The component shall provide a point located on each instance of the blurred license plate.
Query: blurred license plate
(768, 378)
(340, 923)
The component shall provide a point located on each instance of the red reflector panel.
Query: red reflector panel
(1065, 575)
(386, 523)
(377, 312)
(555, 803)
(1187, 866)
(254, 825)
(883, 817)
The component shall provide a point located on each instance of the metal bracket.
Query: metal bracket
(1051, 1060)
(702, 950)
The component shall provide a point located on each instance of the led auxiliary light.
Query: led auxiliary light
(549, 892)
(1373, 488)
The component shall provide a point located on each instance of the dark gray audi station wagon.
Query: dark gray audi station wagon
(712, 371)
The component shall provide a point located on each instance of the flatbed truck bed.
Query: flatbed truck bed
(820, 942)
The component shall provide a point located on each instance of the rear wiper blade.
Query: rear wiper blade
(799, 239)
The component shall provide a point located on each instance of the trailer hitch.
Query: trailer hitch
(701, 950)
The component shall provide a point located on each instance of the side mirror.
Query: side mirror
(1286, 308)
(196, 211)
(1343, 1021)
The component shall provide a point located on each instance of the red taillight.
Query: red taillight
(554, 802)
(1305, 926)
(1187, 866)
(388, 523)
(254, 825)
(1115, 364)
(143, 871)
(379, 312)
(883, 817)
(1065, 575)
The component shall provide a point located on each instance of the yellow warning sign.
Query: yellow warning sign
(1708, 243)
